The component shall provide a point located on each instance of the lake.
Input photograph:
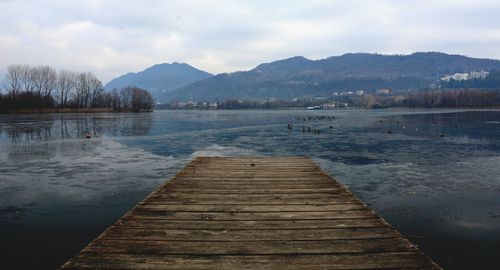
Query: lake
(432, 174)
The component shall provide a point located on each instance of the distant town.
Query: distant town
(378, 99)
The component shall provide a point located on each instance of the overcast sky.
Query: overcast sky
(110, 38)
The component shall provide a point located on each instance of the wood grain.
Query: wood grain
(251, 213)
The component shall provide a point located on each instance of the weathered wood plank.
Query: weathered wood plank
(251, 216)
(385, 260)
(253, 190)
(320, 179)
(251, 235)
(259, 169)
(255, 197)
(250, 248)
(252, 187)
(249, 208)
(258, 182)
(251, 213)
(246, 201)
(247, 185)
(272, 174)
(248, 224)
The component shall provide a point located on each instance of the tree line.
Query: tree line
(43, 87)
(234, 104)
(453, 98)
(457, 98)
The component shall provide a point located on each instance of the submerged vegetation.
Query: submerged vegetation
(42, 88)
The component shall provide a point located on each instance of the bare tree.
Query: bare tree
(49, 78)
(14, 79)
(126, 98)
(82, 90)
(116, 100)
(43, 87)
(28, 78)
(95, 89)
(44, 79)
(34, 77)
(136, 99)
(66, 83)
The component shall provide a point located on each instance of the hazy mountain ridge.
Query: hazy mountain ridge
(299, 76)
(160, 78)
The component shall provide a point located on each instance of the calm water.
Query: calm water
(435, 176)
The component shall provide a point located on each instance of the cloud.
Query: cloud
(114, 37)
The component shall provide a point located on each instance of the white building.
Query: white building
(456, 77)
(327, 106)
(479, 74)
(466, 76)
(383, 91)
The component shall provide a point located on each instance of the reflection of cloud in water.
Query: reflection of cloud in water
(43, 127)
(79, 170)
(373, 180)
(216, 150)
(476, 225)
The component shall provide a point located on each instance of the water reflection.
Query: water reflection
(31, 136)
(435, 169)
(35, 128)
(471, 126)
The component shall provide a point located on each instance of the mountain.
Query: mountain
(299, 76)
(160, 79)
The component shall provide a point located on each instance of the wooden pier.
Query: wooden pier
(251, 213)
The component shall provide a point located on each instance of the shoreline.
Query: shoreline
(339, 109)
(70, 110)
(110, 110)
